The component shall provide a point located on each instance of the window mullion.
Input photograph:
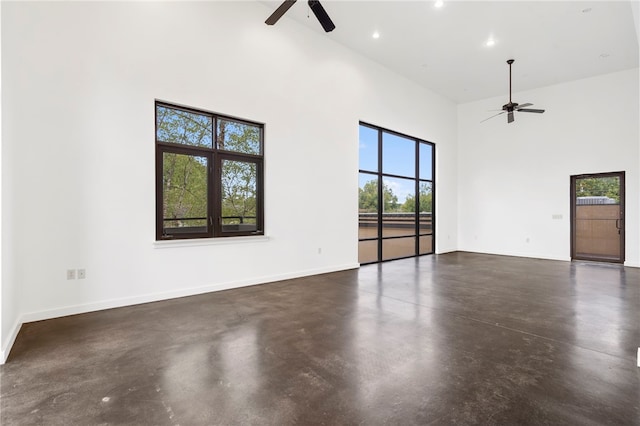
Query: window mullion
(260, 199)
(214, 195)
(214, 182)
(417, 199)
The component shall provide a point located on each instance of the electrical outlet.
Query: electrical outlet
(82, 274)
(71, 274)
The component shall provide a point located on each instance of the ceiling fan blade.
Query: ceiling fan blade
(523, 106)
(281, 10)
(495, 115)
(322, 15)
(510, 117)
(539, 111)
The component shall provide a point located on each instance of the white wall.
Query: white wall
(514, 177)
(79, 82)
(1, 211)
(635, 10)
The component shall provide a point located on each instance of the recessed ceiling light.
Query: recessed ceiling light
(375, 34)
(438, 4)
(490, 42)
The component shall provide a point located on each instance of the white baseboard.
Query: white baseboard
(6, 349)
(538, 256)
(445, 251)
(155, 297)
(525, 255)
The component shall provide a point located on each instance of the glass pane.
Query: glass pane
(426, 158)
(186, 128)
(426, 244)
(184, 193)
(368, 193)
(398, 215)
(368, 149)
(397, 224)
(367, 206)
(367, 225)
(398, 247)
(426, 197)
(597, 233)
(398, 155)
(398, 194)
(597, 217)
(598, 190)
(426, 223)
(239, 137)
(368, 251)
(239, 196)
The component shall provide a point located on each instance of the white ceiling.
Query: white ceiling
(444, 49)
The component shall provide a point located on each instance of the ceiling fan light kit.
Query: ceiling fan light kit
(314, 5)
(512, 107)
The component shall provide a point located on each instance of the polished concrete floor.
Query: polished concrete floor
(452, 339)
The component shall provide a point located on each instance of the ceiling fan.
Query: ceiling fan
(511, 107)
(315, 6)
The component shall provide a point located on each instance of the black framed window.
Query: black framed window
(209, 174)
(396, 195)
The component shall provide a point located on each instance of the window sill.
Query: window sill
(196, 242)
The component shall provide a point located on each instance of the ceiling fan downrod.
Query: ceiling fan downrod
(510, 61)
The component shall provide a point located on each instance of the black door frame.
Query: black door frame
(621, 220)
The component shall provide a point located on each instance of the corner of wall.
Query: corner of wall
(5, 350)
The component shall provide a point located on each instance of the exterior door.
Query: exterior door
(396, 195)
(597, 217)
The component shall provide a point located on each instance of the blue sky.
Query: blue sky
(398, 155)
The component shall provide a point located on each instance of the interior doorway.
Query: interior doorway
(597, 217)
